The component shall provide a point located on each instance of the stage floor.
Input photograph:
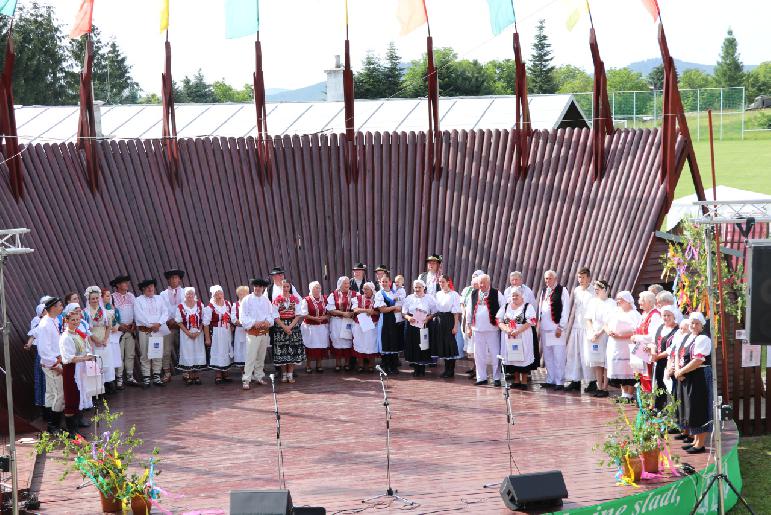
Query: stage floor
(448, 440)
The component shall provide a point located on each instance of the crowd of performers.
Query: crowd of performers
(84, 351)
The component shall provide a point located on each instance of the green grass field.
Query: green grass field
(755, 464)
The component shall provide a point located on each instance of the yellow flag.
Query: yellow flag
(577, 9)
(164, 15)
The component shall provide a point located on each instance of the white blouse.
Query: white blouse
(448, 302)
(426, 303)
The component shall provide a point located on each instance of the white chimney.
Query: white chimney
(98, 117)
(335, 82)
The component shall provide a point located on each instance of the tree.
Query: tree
(111, 80)
(502, 75)
(40, 75)
(624, 79)
(224, 92)
(695, 79)
(540, 72)
(729, 71)
(370, 81)
(456, 77)
(571, 79)
(196, 90)
(656, 77)
(151, 98)
(758, 81)
(392, 72)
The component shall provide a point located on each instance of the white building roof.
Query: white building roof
(59, 123)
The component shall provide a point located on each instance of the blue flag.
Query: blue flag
(242, 18)
(7, 7)
(501, 14)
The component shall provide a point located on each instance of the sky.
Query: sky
(301, 37)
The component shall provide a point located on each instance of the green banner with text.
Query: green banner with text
(675, 498)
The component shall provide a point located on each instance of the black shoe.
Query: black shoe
(694, 450)
(574, 386)
(481, 383)
(673, 431)
(546, 386)
(81, 421)
(601, 394)
(681, 436)
(559, 388)
(130, 381)
(72, 426)
(591, 388)
(688, 446)
(157, 381)
(497, 383)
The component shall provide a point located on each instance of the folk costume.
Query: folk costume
(357, 285)
(597, 315)
(102, 321)
(239, 336)
(527, 294)
(417, 340)
(576, 366)
(80, 379)
(341, 328)
(390, 330)
(124, 305)
(620, 371)
(695, 390)
(468, 341)
(147, 312)
(443, 343)
(173, 298)
(315, 333)
(39, 375)
(365, 342)
(47, 342)
(431, 279)
(664, 339)
(553, 310)
(217, 318)
(646, 331)
(256, 316)
(520, 353)
(192, 351)
(288, 349)
(481, 311)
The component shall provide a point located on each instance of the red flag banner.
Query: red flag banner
(411, 14)
(82, 23)
(652, 6)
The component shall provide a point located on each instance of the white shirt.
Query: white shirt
(47, 341)
(580, 301)
(448, 302)
(481, 319)
(68, 349)
(547, 324)
(426, 303)
(527, 294)
(151, 310)
(173, 298)
(125, 306)
(255, 309)
(277, 289)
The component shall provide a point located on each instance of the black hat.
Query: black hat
(359, 266)
(174, 271)
(147, 282)
(381, 268)
(276, 270)
(434, 257)
(53, 301)
(120, 279)
(259, 281)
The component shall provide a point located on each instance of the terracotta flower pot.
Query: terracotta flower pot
(110, 504)
(636, 470)
(140, 505)
(651, 461)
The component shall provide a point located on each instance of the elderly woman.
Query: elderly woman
(73, 350)
(662, 341)
(239, 334)
(288, 348)
(315, 327)
(645, 333)
(468, 341)
(446, 326)
(681, 336)
(620, 327)
(598, 312)
(189, 315)
(418, 310)
(519, 346)
(516, 279)
(390, 331)
(365, 342)
(218, 334)
(341, 323)
(693, 371)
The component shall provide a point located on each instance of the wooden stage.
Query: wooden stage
(449, 438)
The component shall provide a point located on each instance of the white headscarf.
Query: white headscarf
(312, 285)
(70, 308)
(477, 273)
(39, 309)
(90, 290)
(44, 299)
(627, 296)
(669, 309)
(186, 290)
(418, 282)
(369, 284)
(340, 281)
(214, 289)
(696, 315)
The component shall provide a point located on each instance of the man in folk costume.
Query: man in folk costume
(173, 295)
(276, 287)
(256, 316)
(359, 277)
(47, 341)
(577, 367)
(481, 311)
(431, 275)
(151, 314)
(553, 310)
(123, 300)
(380, 271)
(645, 334)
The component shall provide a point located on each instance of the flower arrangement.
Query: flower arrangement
(104, 459)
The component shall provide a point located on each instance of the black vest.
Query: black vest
(424, 277)
(492, 303)
(357, 286)
(556, 303)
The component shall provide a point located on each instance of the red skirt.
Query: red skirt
(365, 356)
(71, 392)
(342, 353)
(316, 354)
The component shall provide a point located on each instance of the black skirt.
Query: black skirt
(442, 342)
(659, 367)
(412, 351)
(695, 401)
(391, 334)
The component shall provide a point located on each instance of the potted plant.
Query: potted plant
(622, 450)
(139, 490)
(103, 458)
(651, 427)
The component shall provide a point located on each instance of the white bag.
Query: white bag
(515, 351)
(346, 330)
(155, 347)
(595, 354)
(424, 339)
(365, 322)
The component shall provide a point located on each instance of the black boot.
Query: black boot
(72, 426)
(451, 364)
(446, 371)
(81, 421)
(51, 424)
(394, 359)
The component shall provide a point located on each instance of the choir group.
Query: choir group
(579, 335)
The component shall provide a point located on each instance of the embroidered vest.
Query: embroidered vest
(492, 305)
(195, 320)
(555, 301)
(218, 320)
(316, 308)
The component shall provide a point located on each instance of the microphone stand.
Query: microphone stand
(509, 423)
(390, 492)
(281, 477)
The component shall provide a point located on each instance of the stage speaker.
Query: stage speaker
(536, 490)
(758, 292)
(260, 502)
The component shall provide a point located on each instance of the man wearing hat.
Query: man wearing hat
(47, 341)
(431, 276)
(256, 316)
(276, 288)
(359, 277)
(173, 295)
(380, 271)
(151, 313)
(123, 300)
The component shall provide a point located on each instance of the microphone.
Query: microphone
(377, 367)
(499, 357)
(272, 377)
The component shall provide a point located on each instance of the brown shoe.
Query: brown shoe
(167, 376)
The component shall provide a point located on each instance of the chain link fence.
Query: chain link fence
(641, 109)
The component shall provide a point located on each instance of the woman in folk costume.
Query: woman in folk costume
(239, 335)
(662, 340)
(645, 333)
(74, 351)
(217, 319)
(389, 328)
(189, 315)
(114, 358)
(365, 342)
(519, 344)
(417, 349)
(681, 336)
(288, 348)
(693, 371)
(446, 325)
(621, 325)
(341, 322)
(315, 327)
(596, 317)
(100, 323)
(468, 341)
